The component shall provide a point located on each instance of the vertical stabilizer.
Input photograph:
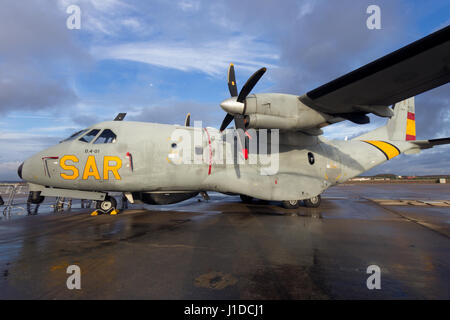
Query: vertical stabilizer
(401, 127)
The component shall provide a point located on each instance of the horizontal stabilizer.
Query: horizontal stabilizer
(426, 144)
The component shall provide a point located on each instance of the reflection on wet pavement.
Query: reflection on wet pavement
(225, 249)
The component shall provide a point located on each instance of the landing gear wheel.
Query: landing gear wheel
(33, 203)
(35, 197)
(314, 202)
(246, 199)
(291, 204)
(107, 205)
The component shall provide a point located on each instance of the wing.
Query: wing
(411, 70)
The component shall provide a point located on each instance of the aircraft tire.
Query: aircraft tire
(314, 202)
(107, 205)
(291, 204)
(35, 197)
(246, 199)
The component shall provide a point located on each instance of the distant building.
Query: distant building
(360, 179)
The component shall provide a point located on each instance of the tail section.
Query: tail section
(411, 122)
(401, 127)
(399, 134)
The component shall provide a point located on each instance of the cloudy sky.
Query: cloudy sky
(158, 60)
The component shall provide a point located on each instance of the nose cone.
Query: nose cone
(232, 106)
(19, 171)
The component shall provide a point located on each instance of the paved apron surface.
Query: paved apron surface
(225, 249)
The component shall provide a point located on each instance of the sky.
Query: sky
(158, 60)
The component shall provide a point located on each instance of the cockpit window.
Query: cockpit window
(75, 135)
(107, 136)
(88, 137)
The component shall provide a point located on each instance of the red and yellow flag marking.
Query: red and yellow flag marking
(411, 127)
(389, 150)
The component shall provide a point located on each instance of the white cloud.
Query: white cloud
(131, 23)
(305, 8)
(211, 57)
(189, 5)
(347, 129)
(12, 165)
(21, 146)
(30, 116)
(100, 5)
(106, 5)
(8, 170)
(58, 129)
(102, 17)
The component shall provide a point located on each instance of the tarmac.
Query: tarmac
(226, 249)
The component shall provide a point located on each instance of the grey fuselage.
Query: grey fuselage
(152, 159)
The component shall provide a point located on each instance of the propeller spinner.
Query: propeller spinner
(235, 106)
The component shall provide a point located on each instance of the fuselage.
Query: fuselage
(148, 157)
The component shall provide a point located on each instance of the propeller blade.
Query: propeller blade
(226, 121)
(237, 106)
(250, 84)
(240, 128)
(232, 81)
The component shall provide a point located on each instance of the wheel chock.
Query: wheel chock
(114, 212)
(95, 213)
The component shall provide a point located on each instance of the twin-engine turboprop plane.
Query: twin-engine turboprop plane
(162, 164)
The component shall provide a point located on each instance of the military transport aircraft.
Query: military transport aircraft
(139, 159)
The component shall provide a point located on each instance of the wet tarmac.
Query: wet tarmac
(225, 249)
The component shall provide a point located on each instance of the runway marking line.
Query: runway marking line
(420, 223)
(406, 202)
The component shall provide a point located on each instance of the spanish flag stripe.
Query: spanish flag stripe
(410, 127)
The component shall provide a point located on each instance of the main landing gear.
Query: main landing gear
(291, 204)
(34, 201)
(109, 205)
(313, 202)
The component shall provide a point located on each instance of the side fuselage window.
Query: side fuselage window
(107, 136)
(88, 137)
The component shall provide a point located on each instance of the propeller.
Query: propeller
(235, 106)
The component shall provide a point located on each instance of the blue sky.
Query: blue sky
(158, 60)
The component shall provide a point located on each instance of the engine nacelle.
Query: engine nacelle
(281, 111)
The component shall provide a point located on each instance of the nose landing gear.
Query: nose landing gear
(109, 205)
(34, 201)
